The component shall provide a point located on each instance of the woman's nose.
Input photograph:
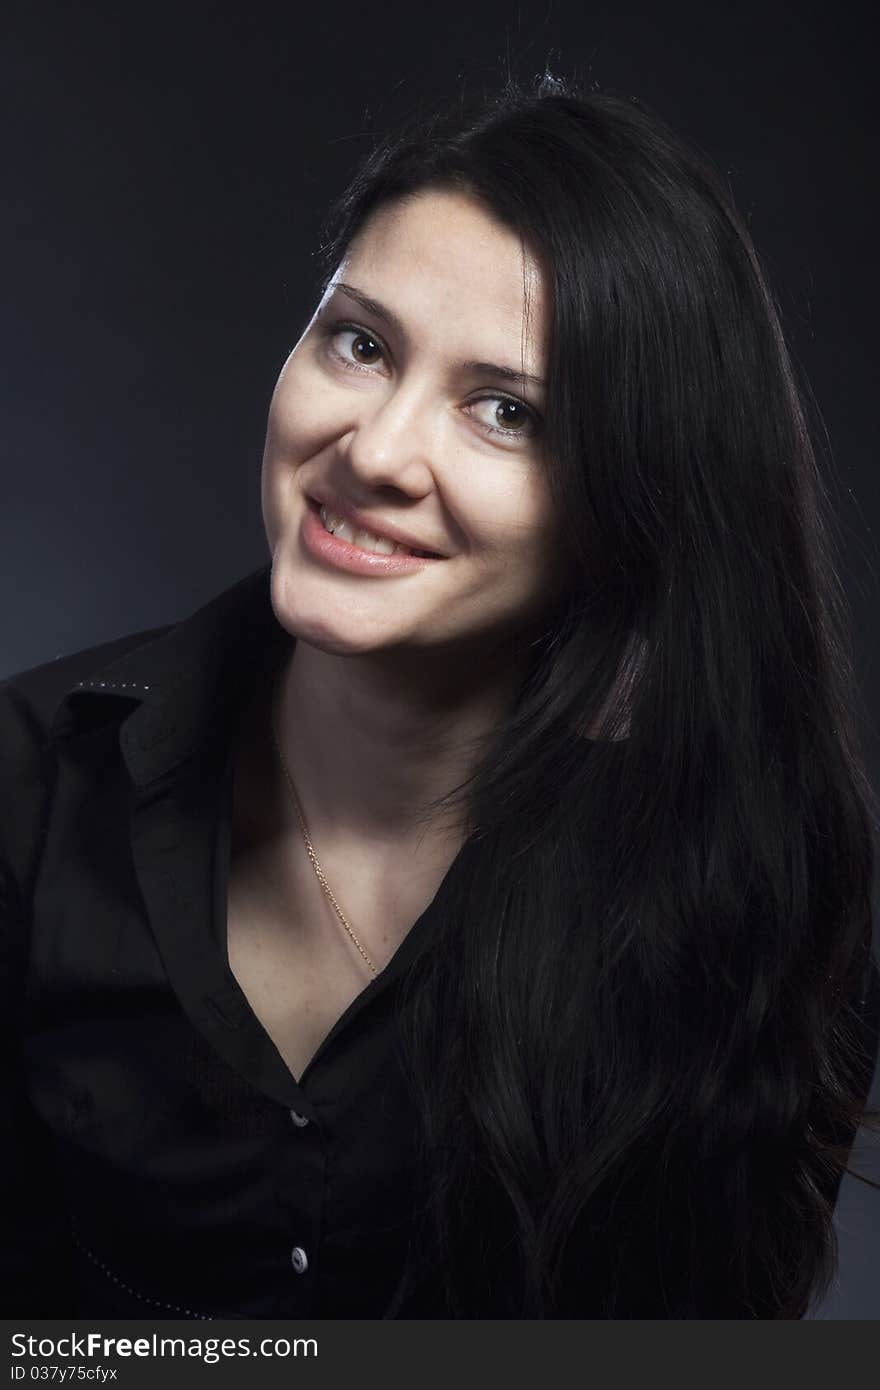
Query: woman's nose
(395, 440)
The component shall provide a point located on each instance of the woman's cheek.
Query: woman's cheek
(304, 416)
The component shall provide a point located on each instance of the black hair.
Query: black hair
(638, 1044)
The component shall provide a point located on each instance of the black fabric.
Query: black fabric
(155, 1163)
(157, 1169)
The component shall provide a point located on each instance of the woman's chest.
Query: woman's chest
(297, 986)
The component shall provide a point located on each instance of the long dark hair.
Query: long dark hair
(637, 1043)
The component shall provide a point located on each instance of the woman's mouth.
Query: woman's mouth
(366, 540)
(346, 547)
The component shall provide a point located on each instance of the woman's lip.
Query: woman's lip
(360, 521)
(333, 550)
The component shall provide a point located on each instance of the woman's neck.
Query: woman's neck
(370, 741)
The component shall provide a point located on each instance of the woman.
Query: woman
(479, 927)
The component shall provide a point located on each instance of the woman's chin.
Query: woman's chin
(318, 631)
(317, 628)
(313, 612)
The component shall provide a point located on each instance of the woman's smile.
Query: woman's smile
(354, 552)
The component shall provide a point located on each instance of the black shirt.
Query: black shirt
(166, 1162)
(160, 1159)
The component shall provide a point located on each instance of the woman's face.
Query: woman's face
(404, 399)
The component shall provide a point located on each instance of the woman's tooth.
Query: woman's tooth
(378, 544)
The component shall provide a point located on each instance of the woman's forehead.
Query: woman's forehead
(440, 257)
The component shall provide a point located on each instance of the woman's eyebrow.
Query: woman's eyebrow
(385, 315)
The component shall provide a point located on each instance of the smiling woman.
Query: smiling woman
(402, 427)
(468, 914)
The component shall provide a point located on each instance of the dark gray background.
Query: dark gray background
(167, 172)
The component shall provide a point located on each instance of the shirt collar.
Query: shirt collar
(174, 692)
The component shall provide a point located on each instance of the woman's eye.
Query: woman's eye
(504, 415)
(356, 347)
(361, 346)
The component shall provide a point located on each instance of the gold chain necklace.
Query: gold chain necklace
(311, 853)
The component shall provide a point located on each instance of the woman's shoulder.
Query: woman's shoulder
(29, 702)
(29, 699)
(173, 669)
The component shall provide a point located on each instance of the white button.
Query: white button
(299, 1120)
(299, 1259)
